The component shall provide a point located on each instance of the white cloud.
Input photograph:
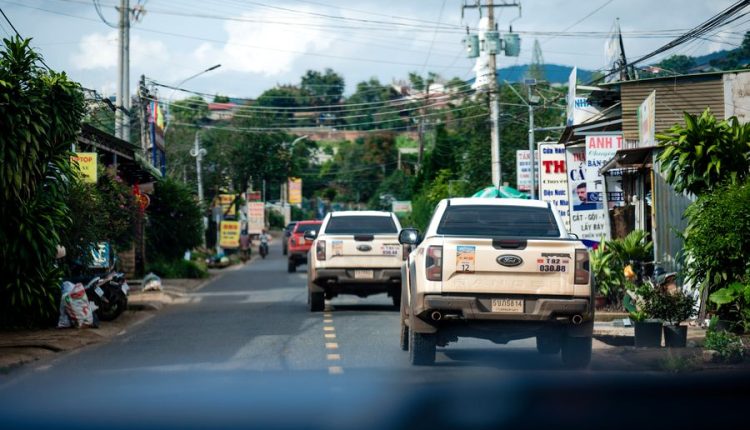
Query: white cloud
(99, 51)
(266, 45)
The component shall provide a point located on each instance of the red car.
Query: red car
(297, 246)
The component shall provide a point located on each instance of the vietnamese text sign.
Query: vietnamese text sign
(600, 150)
(646, 120)
(588, 215)
(255, 217)
(553, 179)
(230, 234)
(226, 201)
(523, 169)
(295, 191)
(87, 165)
(401, 206)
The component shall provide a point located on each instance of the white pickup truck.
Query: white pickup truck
(497, 269)
(355, 252)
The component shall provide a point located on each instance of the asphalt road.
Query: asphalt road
(245, 349)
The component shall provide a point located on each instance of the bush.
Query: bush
(175, 223)
(275, 219)
(727, 344)
(178, 269)
(717, 238)
(40, 116)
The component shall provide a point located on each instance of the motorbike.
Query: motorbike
(263, 249)
(109, 294)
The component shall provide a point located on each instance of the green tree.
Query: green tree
(372, 110)
(679, 64)
(218, 98)
(40, 115)
(175, 222)
(189, 110)
(705, 152)
(322, 89)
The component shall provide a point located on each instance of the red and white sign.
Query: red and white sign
(553, 179)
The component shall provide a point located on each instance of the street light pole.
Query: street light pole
(285, 185)
(177, 86)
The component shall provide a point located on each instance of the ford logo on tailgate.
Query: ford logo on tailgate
(364, 248)
(509, 260)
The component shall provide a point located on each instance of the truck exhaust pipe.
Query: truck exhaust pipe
(577, 319)
(436, 316)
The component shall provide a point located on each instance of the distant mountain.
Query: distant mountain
(553, 73)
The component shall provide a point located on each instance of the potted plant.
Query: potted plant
(674, 308)
(607, 276)
(648, 329)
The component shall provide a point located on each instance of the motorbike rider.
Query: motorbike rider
(264, 238)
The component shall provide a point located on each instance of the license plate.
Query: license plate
(507, 306)
(363, 274)
(99, 292)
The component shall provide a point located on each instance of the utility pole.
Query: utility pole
(531, 141)
(122, 114)
(143, 95)
(198, 153)
(497, 175)
(492, 46)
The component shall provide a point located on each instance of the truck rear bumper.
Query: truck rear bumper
(346, 281)
(433, 311)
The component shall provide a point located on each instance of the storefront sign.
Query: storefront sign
(523, 169)
(600, 150)
(87, 165)
(403, 207)
(588, 213)
(255, 217)
(646, 121)
(230, 235)
(553, 179)
(295, 191)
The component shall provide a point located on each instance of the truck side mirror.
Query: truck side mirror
(408, 236)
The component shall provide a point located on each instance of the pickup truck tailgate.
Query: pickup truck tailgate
(484, 265)
(376, 251)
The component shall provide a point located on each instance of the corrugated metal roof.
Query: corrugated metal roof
(673, 97)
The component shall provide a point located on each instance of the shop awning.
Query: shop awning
(630, 158)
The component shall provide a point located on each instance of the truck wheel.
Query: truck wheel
(576, 352)
(317, 301)
(291, 267)
(422, 348)
(548, 344)
(404, 336)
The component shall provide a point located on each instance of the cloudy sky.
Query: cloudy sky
(267, 42)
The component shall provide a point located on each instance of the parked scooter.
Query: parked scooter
(110, 294)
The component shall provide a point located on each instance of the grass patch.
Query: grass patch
(177, 269)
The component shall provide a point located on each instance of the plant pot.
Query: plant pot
(600, 302)
(675, 336)
(648, 333)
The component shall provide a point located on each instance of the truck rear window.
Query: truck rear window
(361, 224)
(495, 221)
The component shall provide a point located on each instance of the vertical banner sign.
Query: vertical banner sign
(646, 121)
(401, 206)
(225, 201)
(572, 81)
(230, 235)
(599, 150)
(588, 216)
(523, 169)
(255, 217)
(553, 179)
(87, 165)
(295, 191)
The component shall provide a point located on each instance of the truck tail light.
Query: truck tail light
(582, 266)
(320, 250)
(434, 263)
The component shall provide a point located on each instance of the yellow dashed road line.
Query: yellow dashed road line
(333, 357)
(332, 345)
(329, 328)
(335, 370)
(330, 335)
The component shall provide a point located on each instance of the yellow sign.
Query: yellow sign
(225, 201)
(87, 165)
(295, 191)
(229, 234)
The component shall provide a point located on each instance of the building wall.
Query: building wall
(669, 222)
(673, 96)
(737, 96)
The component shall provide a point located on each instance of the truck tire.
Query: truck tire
(576, 352)
(317, 301)
(548, 343)
(422, 348)
(291, 266)
(404, 336)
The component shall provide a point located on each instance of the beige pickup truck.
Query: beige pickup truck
(496, 269)
(355, 252)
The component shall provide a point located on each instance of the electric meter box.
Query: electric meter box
(512, 42)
